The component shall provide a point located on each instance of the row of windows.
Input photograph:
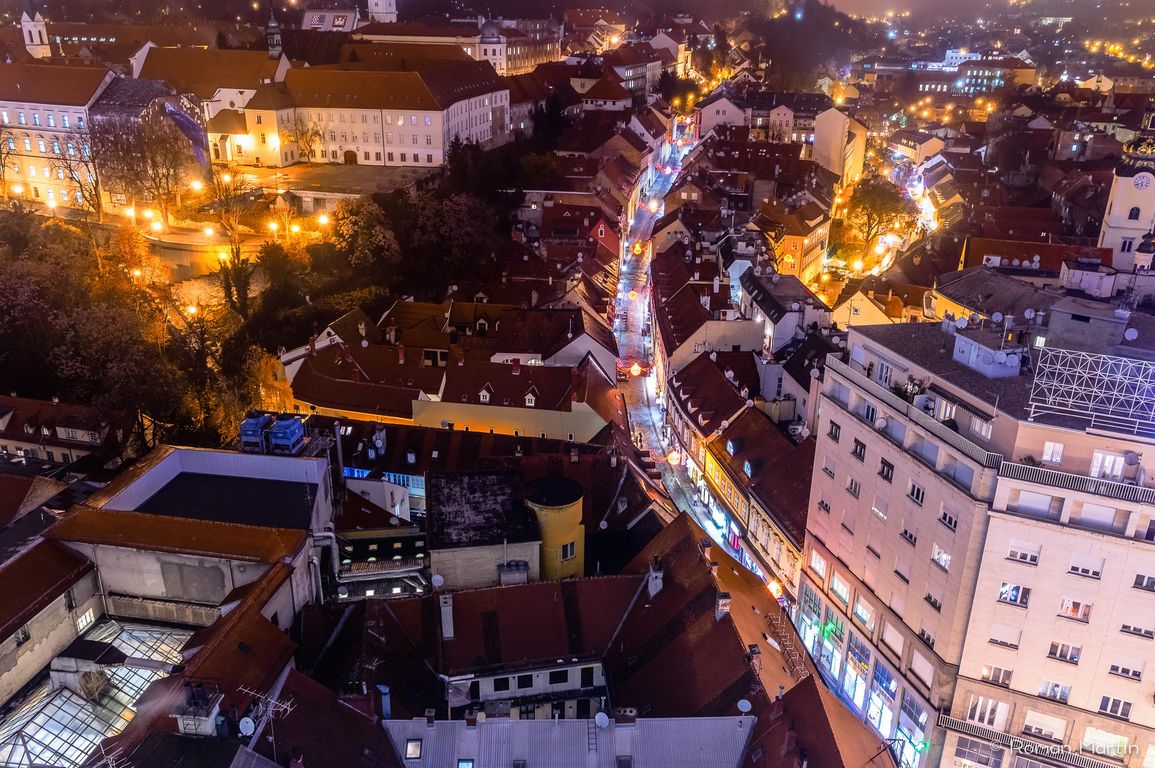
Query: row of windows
(49, 119)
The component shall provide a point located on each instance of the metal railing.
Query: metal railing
(1029, 747)
(1081, 483)
(929, 423)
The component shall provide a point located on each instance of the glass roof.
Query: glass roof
(60, 728)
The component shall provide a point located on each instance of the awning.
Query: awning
(984, 415)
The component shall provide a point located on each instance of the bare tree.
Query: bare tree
(146, 157)
(74, 157)
(231, 195)
(304, 133)
(7, 150)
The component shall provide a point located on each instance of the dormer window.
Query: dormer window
(483, 396)
(730, 449)
(29, 429)
(530, 400)
(747, 469)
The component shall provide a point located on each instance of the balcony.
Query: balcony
(1111, 489)
(1021, 745)
(930, 424)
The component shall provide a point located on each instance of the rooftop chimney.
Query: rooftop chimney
(446, 602)
(430, 716)
(704, 545)
(401, 355)
(654, 583)
(471, 718)
(516, 366)
(721, 605)
(714, 567)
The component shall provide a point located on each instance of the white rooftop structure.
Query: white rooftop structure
(500, 742)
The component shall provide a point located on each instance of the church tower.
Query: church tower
(1131, 205)
(383, 10)
(35, 32)
(273, 37)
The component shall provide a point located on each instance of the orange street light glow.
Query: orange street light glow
(674, 458)
(637, 249)
(323, 220)
(635, 370)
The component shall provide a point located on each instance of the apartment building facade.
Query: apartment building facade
(1053, 671)
(978, 564)
(897, 522)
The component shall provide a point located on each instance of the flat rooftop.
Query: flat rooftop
(477, 509)
(225, 499)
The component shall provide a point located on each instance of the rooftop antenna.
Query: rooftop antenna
(110, 758)
(269, 708)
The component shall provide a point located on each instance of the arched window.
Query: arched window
(1133, 215)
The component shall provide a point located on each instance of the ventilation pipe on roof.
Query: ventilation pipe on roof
(722, 605)
(446, 603)
(655, 577)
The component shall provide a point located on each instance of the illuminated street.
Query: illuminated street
(635, 337)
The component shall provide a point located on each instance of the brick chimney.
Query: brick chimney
(471, 718)
(516, 362)
(401, 355)
(430, 716)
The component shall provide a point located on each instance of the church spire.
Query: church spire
(273, 36)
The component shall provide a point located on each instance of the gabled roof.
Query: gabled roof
(33, 579)
(204, 71)
(1018, 256)
(776, 295)
(508, 629)
(52, 84)
(164, 533)
(549, 331)
(435, 88)
(706, 395)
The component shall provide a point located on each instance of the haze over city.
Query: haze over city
(710, 384)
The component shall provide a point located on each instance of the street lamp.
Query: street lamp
(208, 231)
(273, 228)
(52, 206)
(197, 185)
(323, 220)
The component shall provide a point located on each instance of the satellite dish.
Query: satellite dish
(601, 720)
(1000, 357)
(1036, 258)
(1013, 361)
(1130, 458)
(438, 580)
(960, 323)
(603, 525)
(1014, 262)
(1029, 314)
(364, 343)
(814, 374)
(880, 423)
(997, 317)
(247, 726)
(744, 706)
(974, 319)
(1131, 334)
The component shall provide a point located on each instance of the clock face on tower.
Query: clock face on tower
(1143, 181)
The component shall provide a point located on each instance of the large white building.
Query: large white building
(1131, 205)
(979, 507)
(512, 46)
(44, 106)
(375, 118)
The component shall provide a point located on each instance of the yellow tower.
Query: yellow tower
(557, 502)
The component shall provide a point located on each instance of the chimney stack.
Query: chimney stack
(713, 567)
(721, 605)
(516, 362)
(471, 718)
(654, 583)
(430, 716)
(446, 602)
(704, 545)
(401, 355)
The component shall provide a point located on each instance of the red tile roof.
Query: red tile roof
(1050, 256)
(203, 71)
(704, 394)
(324, 730)
(163, 533)
(33, 579)
(573, 619)
(52, 84)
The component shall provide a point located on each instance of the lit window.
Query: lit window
(85, 620)
(412, 749)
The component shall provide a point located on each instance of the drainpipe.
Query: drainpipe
(331, 538)
(315, 565)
